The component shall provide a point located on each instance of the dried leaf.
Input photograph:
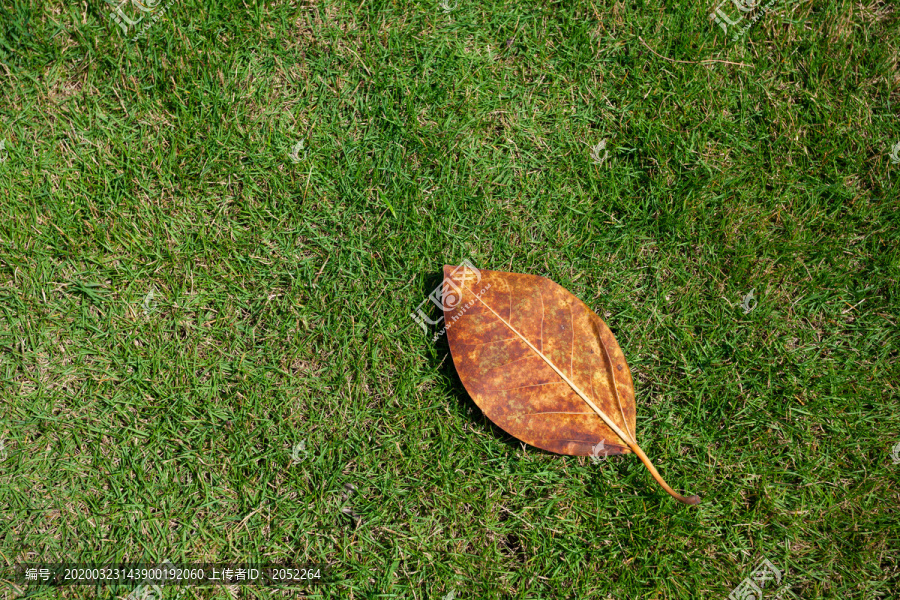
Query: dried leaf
(541, 364)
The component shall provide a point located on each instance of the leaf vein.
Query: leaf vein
(526, 386)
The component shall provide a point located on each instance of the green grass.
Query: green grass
(282, 291)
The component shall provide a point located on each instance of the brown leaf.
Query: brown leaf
(541, 364)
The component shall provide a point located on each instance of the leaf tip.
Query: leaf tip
(692, 500)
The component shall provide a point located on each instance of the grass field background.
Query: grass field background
(182, 303)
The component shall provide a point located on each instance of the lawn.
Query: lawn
(216, 223)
